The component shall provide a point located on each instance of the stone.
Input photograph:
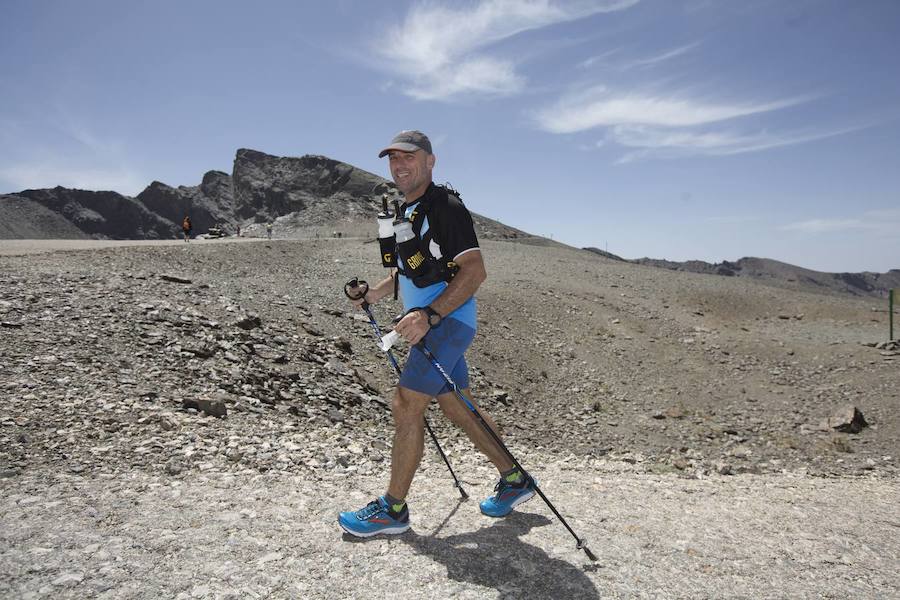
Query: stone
(212, 407)
(175, 279)
(249, 322)
(847, 419)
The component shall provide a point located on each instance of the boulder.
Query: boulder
(847, 419)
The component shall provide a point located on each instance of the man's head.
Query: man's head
(411, 162)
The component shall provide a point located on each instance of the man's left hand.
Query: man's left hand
(413, 326)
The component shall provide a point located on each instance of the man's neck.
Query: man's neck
(416, 195)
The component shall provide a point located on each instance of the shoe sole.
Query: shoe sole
(385, 531)
(520, 500)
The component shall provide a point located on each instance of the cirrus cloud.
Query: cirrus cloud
(437, 51)
(598, 107)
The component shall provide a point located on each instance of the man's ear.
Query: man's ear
(431, 160)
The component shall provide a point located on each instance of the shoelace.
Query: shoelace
(370, 510)
(504, 485)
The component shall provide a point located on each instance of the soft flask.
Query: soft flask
(386, 239)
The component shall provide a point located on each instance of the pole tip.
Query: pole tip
(582, 545)
(462, 492)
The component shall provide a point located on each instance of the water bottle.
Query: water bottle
(386, 235)
(402, 226)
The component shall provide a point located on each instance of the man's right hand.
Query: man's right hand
(356, 291)
(358, 302)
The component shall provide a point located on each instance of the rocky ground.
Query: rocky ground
(187, 419)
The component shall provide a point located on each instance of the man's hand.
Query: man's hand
(356, 291)
(413, 326)
(358, 302)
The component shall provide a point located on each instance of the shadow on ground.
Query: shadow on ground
(497, 557)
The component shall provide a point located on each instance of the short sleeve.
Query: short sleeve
(454, 229)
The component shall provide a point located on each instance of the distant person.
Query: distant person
(187, 227)
(269, 230)
(238, 231)
(439, 301)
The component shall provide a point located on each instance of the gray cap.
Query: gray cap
(408, 141)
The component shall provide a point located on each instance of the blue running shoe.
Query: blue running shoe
(374, 519)
(507, 496)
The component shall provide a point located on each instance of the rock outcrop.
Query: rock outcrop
(266, 187)
(104, 214)
(208, 204)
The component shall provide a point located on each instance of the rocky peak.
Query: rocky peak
(215, 178)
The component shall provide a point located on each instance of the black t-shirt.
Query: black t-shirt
(447, 223)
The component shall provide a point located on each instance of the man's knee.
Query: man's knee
(454, 408)
(409, 404)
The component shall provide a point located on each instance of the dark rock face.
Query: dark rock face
(208, 204)
(266, 187)
(104, 214)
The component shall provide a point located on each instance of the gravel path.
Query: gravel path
(274, 535)
(118, 480)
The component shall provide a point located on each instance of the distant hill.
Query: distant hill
(23, 218)
(781, 274)
(305, 196)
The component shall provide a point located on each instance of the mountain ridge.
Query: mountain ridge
(312, 196)
(782, 274)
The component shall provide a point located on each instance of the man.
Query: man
(186, 227)
(440, 308)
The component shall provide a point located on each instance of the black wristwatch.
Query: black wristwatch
(434, 317)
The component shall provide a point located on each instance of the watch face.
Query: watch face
(434, 319)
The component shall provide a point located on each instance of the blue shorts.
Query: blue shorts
(448, 342)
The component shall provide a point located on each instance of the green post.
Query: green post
(891, 312)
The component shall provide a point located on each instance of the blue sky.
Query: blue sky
(694, 129)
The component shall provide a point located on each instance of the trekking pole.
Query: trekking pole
(581, 543)
(358, 283)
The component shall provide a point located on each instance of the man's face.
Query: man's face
(411, 171)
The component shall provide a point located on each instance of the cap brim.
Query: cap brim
(403, 147)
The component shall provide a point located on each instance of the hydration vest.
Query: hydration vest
(414, 257)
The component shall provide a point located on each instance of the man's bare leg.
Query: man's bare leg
(460, 414)
(409, 439)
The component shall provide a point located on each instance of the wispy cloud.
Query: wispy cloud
(676, 124)
(438, 50)
(883, 221)
(654, 60)
(599, 107)
(613, 59)
(598, 58)
(669, 143)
